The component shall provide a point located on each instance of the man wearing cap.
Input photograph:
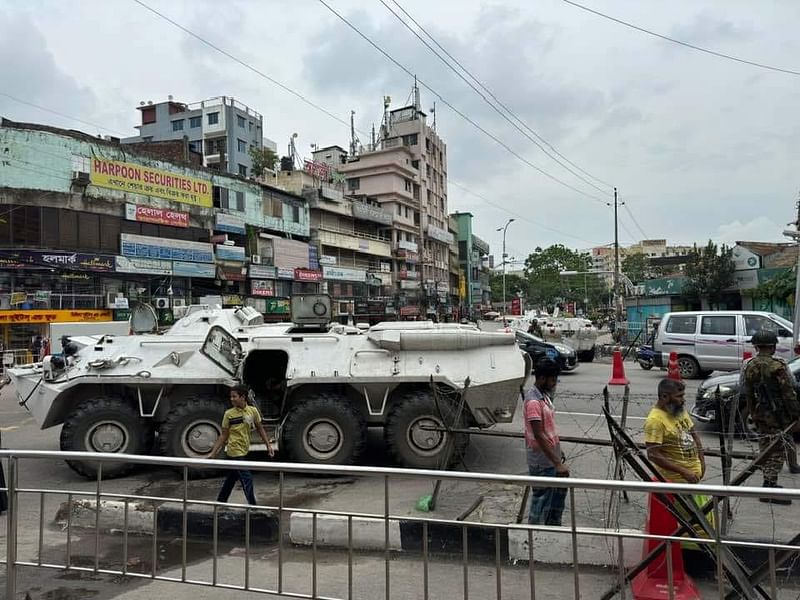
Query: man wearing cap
(768, 390)
(544, 447)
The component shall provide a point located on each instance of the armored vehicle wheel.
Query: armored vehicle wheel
(415, 446)
(324, 428)
(105, 424)
(190, 429)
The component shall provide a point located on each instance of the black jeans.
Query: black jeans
(234, 475)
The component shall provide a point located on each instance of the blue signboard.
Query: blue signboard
(232, 253)
(193, 269)
(141, 246)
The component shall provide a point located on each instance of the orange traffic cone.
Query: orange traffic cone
(673, 371)
(618, 371)
(653, 583)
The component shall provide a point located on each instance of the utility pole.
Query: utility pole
(505, 256)
(617, 304)
(796, 236)
(352, 134)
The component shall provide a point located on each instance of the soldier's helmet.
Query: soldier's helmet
(764, 337)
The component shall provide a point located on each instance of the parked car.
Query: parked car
(707, 341)
(537, 348)
(705, 407)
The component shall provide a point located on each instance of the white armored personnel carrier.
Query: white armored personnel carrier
(318, 386)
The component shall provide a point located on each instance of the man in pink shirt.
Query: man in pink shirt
(544, 448)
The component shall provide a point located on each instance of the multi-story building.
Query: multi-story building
(406, 174)
(89, 227)
(351, 236)
(222, 129)
(473, 256)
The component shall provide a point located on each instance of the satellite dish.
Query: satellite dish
(144, 319)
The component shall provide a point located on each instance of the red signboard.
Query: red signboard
(307, 275)
(516, 306)
(409, 311)
(232, 274)
(158, 216)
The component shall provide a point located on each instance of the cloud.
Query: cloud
(707, 27)
(29, 72)
(760, 229)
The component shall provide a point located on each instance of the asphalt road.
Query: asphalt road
(578, 403)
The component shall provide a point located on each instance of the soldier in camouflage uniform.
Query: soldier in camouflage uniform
(768, 389)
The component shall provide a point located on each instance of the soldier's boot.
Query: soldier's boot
(767, 500)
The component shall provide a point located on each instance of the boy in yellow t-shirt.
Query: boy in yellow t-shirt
(672, 442)
(237, 423)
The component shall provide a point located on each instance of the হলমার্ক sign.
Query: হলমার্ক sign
(46, 259)
(148, 181)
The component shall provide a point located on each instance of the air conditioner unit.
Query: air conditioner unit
(255, 259)
(81, 178)
(176, 302)
(161, 302)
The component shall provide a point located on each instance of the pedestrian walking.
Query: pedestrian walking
(237, 423)
(673, 445)
(545, 458)
(769, 393)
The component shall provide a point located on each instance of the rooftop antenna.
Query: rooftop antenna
(416, 96)
(373, 137)
(293, 151)
(387, 100)
(433, 112)
(352, 133)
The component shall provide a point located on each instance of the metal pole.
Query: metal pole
(616, 260)
(505, 229)
(11, 530)
(796, 331)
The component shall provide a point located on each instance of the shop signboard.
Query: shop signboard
(278, 306)
(142, 246)
(361, 307)
(367, 212)
(232, 253)
(262, 272)
(157, 216)
(313, 257)
(47, 259)
(232, 274)
(409, 311)
(376, 307)
(148, 181)
(344, 274)
(440, 235)
(143, 266)
(230, 223)
(307, 275)
(516, 306)
(327, 259)
(262, 287)
(232, 300)
(17, 298)
(42, 296)
(197, 270)
(54, 316)
(285, 273)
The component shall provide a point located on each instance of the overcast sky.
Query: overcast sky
(699, 147)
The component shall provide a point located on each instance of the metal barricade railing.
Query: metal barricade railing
(778, 552)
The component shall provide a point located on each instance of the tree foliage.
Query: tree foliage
(709, 273)
(639, 267)
(780, 287)
(546, 285)
(263, 159)
(515, 285)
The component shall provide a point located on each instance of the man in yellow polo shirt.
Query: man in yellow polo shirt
(673, 445)
(237, 423)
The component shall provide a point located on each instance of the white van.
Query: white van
(709, 341)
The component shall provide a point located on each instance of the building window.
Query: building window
(148, 115)
(354, 183)
(240, 201)
(410, 140)
(250, 125)
(177, 125)
(415, 164)
(409, 185)
(242, 170)
(220, 196)
(195, 146)
(195, 122)
(295, 214)
(242, 145)
(240, 121)
(213, 118)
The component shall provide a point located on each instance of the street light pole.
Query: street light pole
(505, 229)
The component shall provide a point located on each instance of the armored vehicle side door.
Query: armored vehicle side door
(224, 350)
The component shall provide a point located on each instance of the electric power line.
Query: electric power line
(492, 95)
(454, 109)
(635, 222)
(60, 114)
(682, 43)
(213, 46)
(482, 95)
(517, 215)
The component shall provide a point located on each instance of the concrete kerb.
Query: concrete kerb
(551, 546)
